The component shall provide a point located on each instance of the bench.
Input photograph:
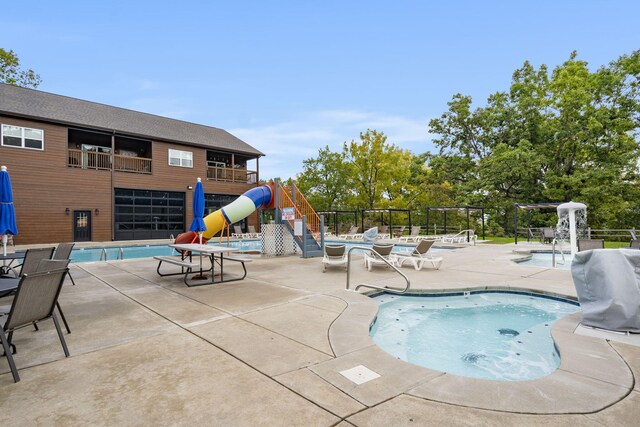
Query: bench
(183, 263)
(241, 260)
(188, 267)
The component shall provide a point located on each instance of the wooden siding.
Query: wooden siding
(43, 186)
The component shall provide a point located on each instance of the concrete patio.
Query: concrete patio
(269, 350)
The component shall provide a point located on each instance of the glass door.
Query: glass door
(81, 226)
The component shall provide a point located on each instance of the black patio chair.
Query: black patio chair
(34, 301)
(548, 234)
(38, 260)
(63, 251)
(588, 244)
(32, 258)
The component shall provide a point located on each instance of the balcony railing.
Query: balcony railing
(102, 161)
(131, 164)
(89, 159)
(217, 173)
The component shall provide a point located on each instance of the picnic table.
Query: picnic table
(199, 276)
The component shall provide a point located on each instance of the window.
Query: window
(181, 158)
(17, 136)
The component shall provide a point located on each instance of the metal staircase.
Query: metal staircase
(294, 208)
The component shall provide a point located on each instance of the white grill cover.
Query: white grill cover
(608, 285)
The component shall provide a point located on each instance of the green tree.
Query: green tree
(379, 172)
(324, 180)
(568, 135)
(10, 72)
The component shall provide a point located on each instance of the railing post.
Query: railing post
(322, 232)
(304, 235)
(278, 217)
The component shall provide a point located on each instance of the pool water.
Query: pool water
(148, 251)
(544, 259)
(495, 335)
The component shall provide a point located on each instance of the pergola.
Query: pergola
(529, 207)
(334, 215)
(444, 209)
(382, 212)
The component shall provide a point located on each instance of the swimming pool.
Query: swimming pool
(148, 251)
(489, 334)
(544, 259)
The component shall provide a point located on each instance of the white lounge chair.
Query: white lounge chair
(399, 232)
(414, 236)
(461, 237)
(352, 234)
(384, 251)
(239, 234)
(420, 256)
(383, 232)
(253, 233)
(334, 255)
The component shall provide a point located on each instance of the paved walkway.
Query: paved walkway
(268, 350)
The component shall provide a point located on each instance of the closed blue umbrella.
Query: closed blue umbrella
(197, 224)
(7, 211)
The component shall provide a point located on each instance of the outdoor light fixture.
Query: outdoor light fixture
(97, 211)
(189, 187)
(67, 211)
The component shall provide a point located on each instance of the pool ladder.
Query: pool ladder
(103, 254)
(382, 288)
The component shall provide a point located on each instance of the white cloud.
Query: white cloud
(287, 144)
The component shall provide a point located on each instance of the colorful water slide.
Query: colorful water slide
(256, 198)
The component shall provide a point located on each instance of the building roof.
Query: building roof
(43, 106)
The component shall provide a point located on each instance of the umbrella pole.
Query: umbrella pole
(200, 254)
(4, 245)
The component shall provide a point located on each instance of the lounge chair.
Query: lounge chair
(384, 251)
(352, 234)
(461, 237)
(589, 244)
(413, 236)
(35, 301)
(253, 233)
(420, 256)
(239, 234)
(334, 255)
(383, 232)
(634, 244)
(399, 232)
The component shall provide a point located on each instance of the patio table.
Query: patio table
(8, 286)
(216, 255)
(11, 257)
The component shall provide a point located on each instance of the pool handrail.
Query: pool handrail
(553, 253)
(376, 254)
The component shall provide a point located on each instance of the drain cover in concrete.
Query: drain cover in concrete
(359, 374)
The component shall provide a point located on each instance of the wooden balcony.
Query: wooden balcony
(102, 161)
(242, 176)
(131, 164)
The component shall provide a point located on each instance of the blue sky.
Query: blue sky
(290, 77)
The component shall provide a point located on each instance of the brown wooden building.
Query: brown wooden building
(83, 171)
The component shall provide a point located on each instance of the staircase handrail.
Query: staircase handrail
(305, 208)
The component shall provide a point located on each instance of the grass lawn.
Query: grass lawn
(505, 240)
